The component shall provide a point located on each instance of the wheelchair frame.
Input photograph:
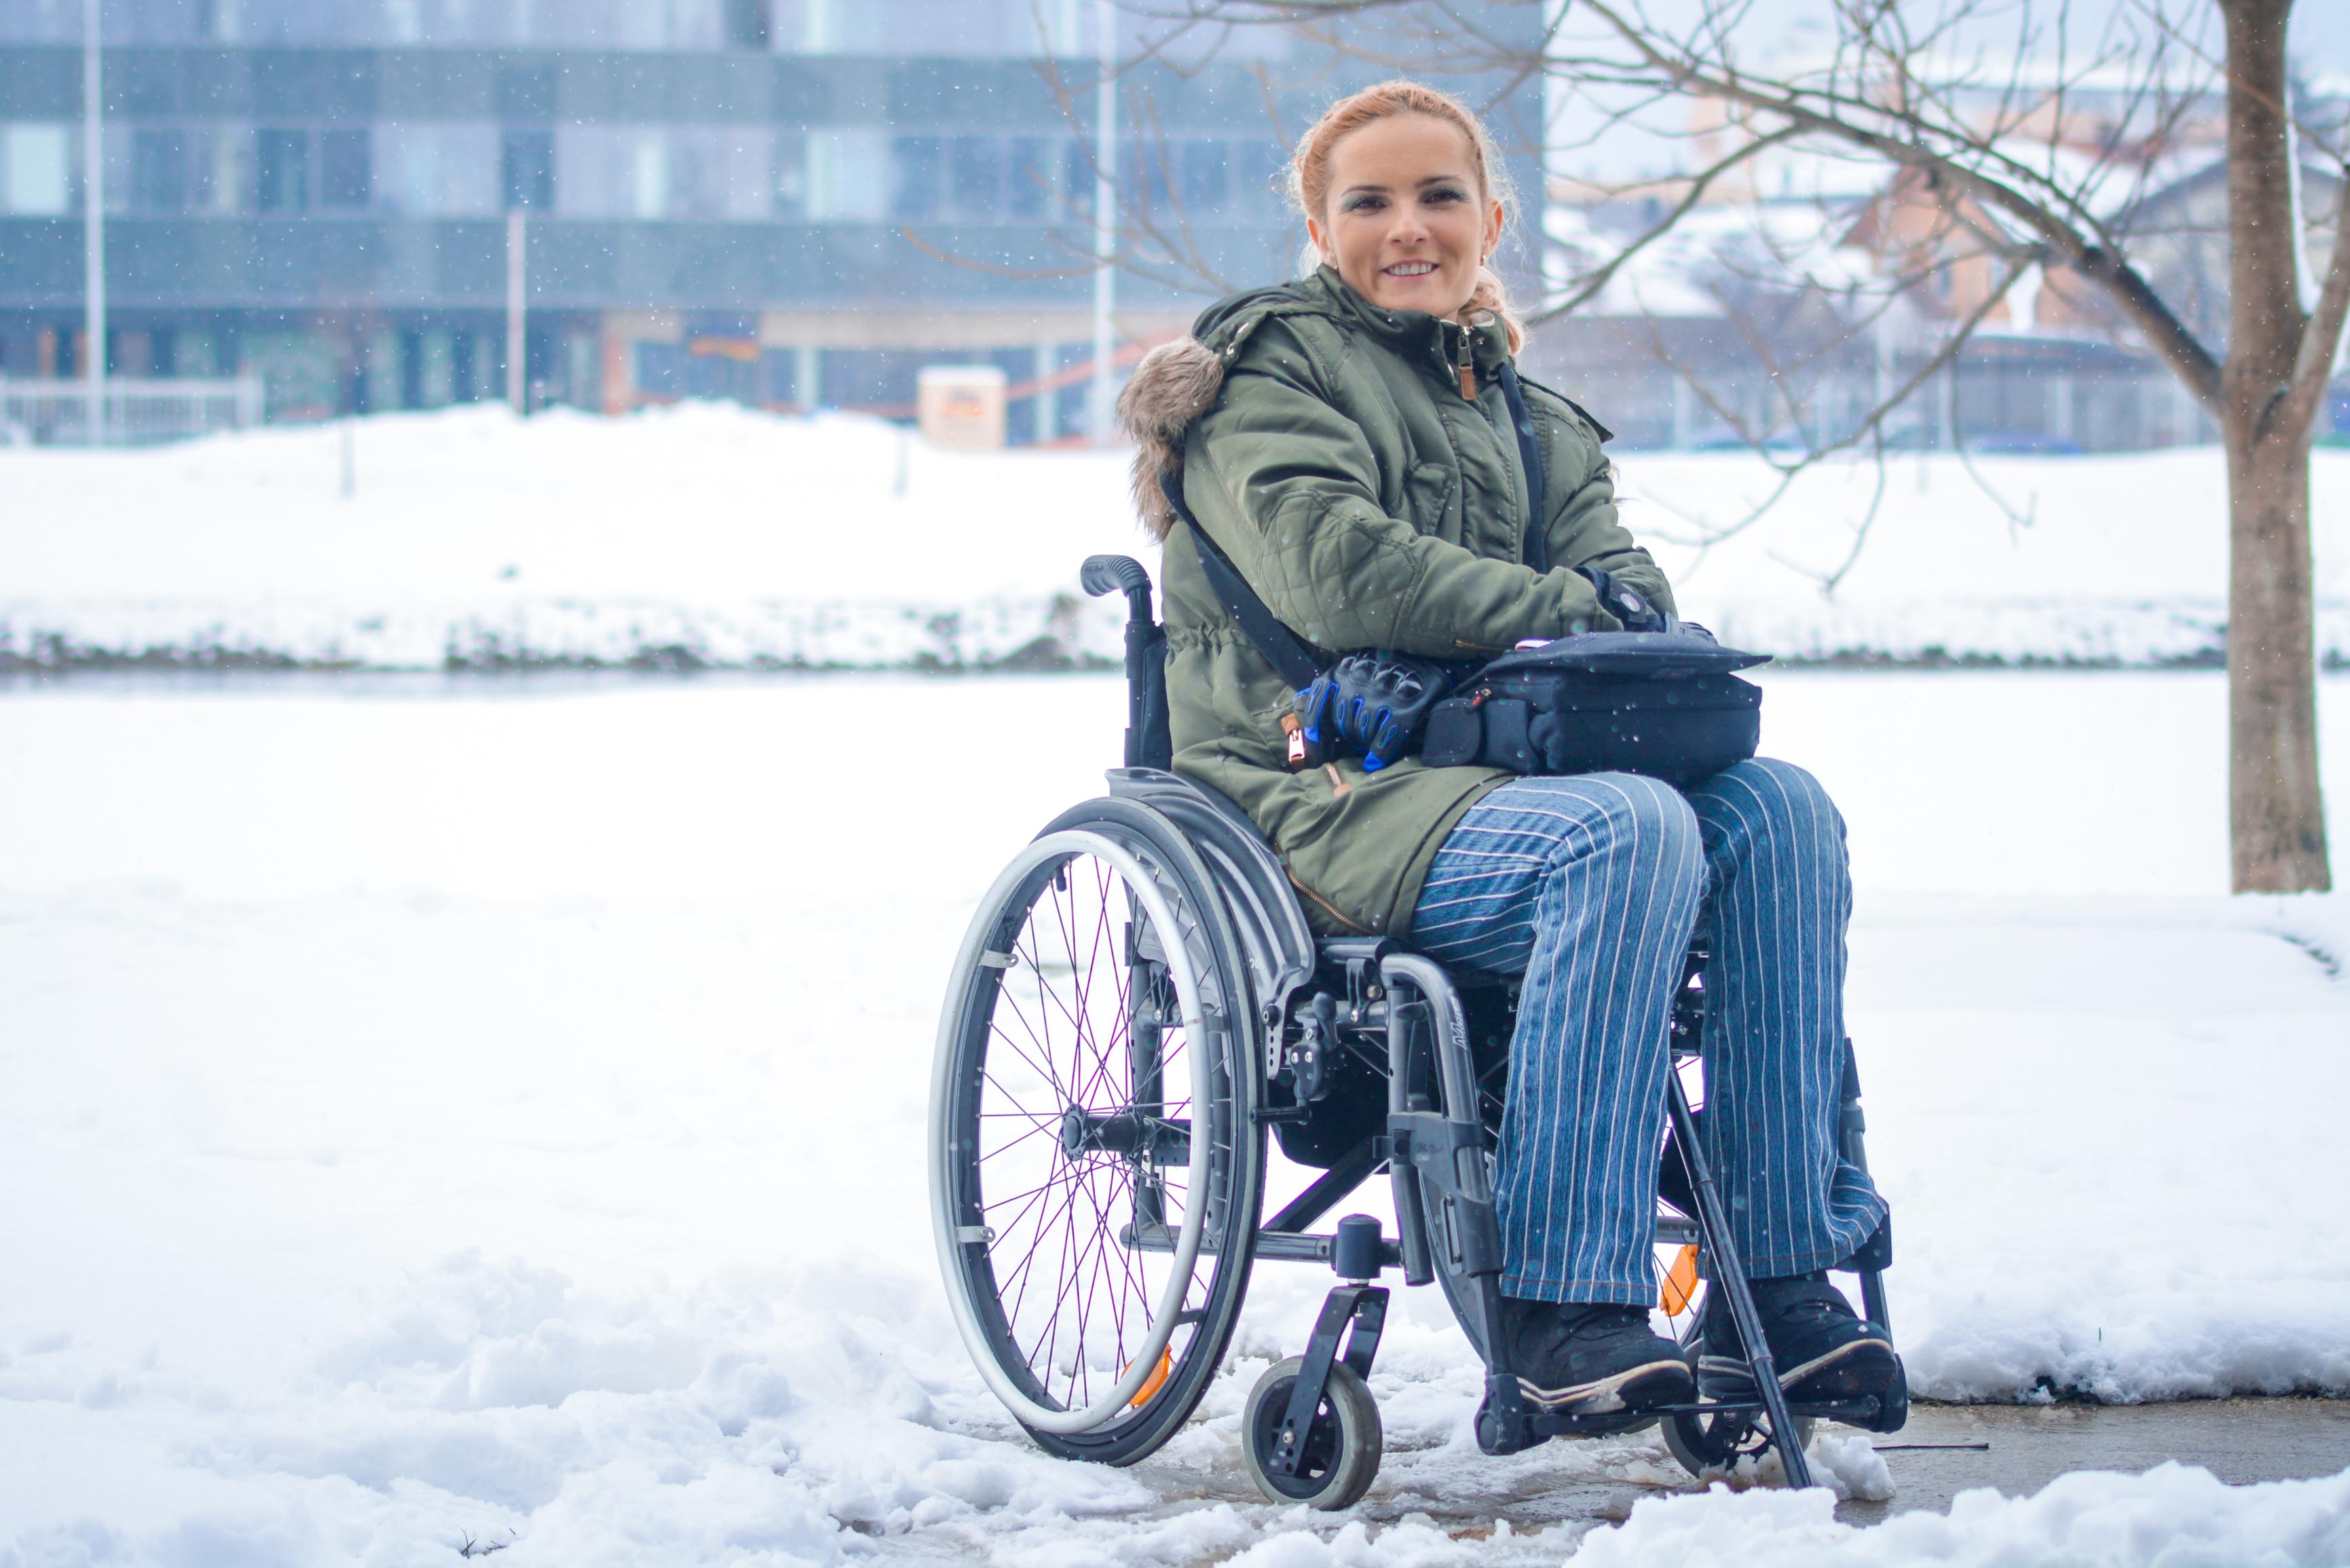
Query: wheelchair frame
(1306, 1009)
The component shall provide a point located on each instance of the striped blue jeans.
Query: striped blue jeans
(1592, 886)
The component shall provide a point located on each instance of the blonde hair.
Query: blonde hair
(1309, 171)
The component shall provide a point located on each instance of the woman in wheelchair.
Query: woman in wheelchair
(1355, 445)
(1306, 904)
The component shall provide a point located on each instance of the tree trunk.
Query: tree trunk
(2276, 817)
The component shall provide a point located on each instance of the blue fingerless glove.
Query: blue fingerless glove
(1372, 702)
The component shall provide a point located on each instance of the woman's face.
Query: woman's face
(1407, 222)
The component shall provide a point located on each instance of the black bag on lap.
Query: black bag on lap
(1664, 704)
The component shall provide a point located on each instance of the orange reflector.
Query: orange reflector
(1156, 1381)
(1680, 1283)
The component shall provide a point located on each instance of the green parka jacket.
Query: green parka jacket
(1325, 443)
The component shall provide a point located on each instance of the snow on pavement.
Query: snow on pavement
(492, 1111)
(707, 534)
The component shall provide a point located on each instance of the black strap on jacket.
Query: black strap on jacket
(1529, 455)
(1298, 661)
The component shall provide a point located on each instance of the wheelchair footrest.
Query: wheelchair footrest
(1547, 1424)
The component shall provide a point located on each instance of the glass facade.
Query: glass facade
(770, 200)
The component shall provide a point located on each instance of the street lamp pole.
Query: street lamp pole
(93, 229)
(516, 341)
(1098, 403)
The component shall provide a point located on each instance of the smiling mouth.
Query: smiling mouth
(1411, 269)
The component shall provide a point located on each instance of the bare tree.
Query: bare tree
(2034, 135)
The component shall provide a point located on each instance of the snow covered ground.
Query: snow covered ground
(707, 535)
(443, 1109)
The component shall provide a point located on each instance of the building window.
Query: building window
(1201, 184)
(527, 168)
(746, 24)
(791, 171)
(435, 171)
(1259, 174)
(1029, 188)
(975, 176)
(850, 175)
(158, 171)
(649, 176)
(919, 166)
(346, 169)
(282, 171)
(660, 369)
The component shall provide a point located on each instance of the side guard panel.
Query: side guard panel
(1273, 930)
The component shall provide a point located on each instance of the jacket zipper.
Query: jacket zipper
(1468, 370)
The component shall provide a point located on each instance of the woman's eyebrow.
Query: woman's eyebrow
(1421, 184)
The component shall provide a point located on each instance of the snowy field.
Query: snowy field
(705, 534)
(457, 1110)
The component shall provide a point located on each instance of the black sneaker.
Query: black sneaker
(1588, 1360)
(1823, 1350)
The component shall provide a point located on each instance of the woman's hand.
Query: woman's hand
(1625, 602)
(1373, 702)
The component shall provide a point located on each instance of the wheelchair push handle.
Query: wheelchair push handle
(1118, 573)
(1147, 743)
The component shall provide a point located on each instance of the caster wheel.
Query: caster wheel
(1342, 1446)
(1703, 1443)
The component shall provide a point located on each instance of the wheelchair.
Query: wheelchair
(1138, 1005)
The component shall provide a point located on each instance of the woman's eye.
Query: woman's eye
(1444, 193)
(1362, 203)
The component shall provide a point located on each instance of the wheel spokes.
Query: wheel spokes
(1065, 1058)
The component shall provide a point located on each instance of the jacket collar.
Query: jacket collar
(1415, 336)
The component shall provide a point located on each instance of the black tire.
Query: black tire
(1707, 1443)
(1342, 1449)
(1068, 1092)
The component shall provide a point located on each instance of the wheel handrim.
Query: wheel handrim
(1074, 1118)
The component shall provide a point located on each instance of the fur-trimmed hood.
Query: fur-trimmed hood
(1176, 381)
(1173, 385)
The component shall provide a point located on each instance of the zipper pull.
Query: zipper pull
(1468, 371)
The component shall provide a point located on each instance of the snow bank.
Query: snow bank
(707, 535)
(2173, 1517)
(494, 1111)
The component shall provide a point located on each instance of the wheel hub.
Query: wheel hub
(1126, 1135)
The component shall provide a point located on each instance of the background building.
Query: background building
(792, 202)
(1808, 284)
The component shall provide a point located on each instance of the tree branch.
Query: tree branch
(2170, 339)
(2320, 340)
(1595, 281)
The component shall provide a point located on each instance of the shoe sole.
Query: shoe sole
(1665, 1381)
(1850, 1371)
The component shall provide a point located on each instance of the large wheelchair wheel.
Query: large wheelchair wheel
(1095, 1173)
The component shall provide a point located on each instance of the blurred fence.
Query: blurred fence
(138, 412)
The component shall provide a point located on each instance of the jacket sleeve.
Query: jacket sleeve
(1287, 484)
(1583, 530)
